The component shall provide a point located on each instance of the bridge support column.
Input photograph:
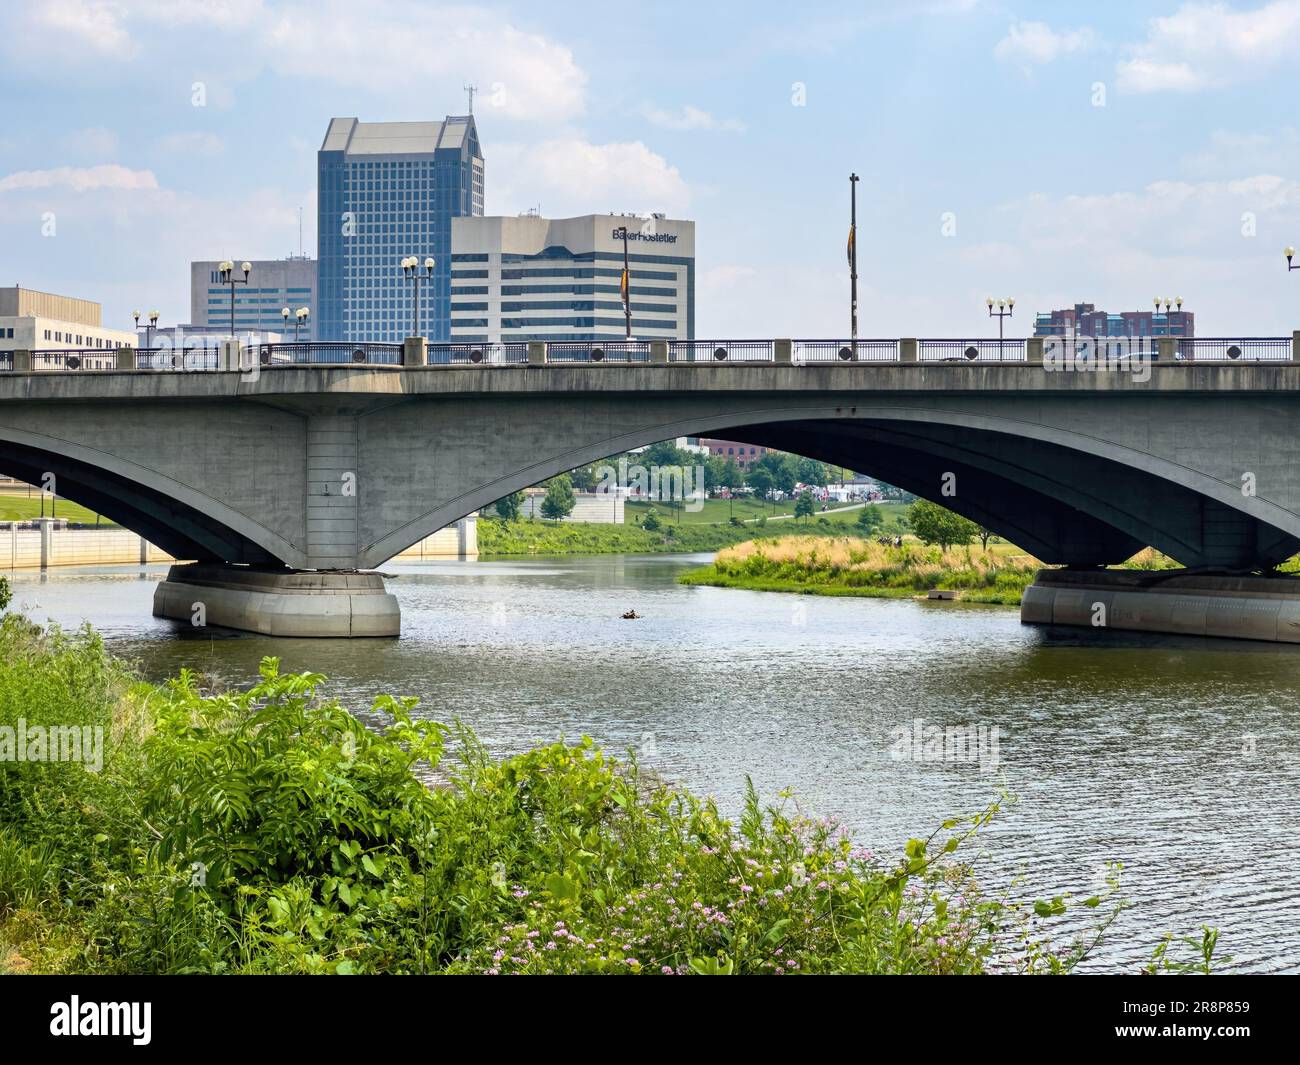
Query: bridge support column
(415, 351)
(278, 602)
(1171, 601)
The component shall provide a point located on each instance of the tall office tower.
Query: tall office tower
(386, 191)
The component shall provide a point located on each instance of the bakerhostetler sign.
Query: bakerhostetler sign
(660, 238)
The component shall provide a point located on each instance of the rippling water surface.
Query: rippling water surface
(1178, 757)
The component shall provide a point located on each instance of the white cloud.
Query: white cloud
(573, 176)
(77, 25)
(192, 144)
(80, 179)
(691, 117)
(1036, 43)
(387, 47)
(1211, 45)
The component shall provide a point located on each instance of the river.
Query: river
(1179, 757)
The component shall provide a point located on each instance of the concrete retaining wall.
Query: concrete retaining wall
(111, 546)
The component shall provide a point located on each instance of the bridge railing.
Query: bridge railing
(1013, 350)
(507, 354)
(323, 352)
(74, 359)
(714, 351)
(1163, 350)
(1233, 349)
(625, 351)
(189, 359)
(812, 351)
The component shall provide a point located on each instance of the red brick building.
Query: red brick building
(744, 454)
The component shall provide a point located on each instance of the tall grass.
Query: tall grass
(865, 567)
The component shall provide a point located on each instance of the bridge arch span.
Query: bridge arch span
(182, 520)
(1068, 496)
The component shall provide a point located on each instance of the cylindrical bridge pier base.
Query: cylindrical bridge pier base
(278, 602)
(1172, 601)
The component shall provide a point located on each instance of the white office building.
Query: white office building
(42, 321)
(533, 278)
(273, 285)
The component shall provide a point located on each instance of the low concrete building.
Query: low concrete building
(42, 321)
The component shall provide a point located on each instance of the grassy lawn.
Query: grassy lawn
(720, 511)
(24, 508)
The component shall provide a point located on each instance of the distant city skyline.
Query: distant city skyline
(1051, 154)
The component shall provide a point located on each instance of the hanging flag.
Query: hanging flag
(622, 288)
(852, 239)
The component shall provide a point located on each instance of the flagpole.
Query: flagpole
(853, 260)
(627, 287)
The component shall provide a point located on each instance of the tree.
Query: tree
(810, 471)
(985, 536)
(760, 479)
(507, 507)
(720, 472)
(783, 468)
(934, 524)
(869, 517)
(585, 478)
(651, 523)
(559, 499)
(803, 507)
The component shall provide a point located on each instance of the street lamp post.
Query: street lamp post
(1289, 252)
(1169, 325)
(299, 319)
(411, 269)
(226, 272)
(148, 332)
(1005, 309)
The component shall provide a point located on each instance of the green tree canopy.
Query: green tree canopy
(934, 524)
(869, 517)
(559, 499)
(760, 479)
(810, 471)
(803, 507)
(507, 507)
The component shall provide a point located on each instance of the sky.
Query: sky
(1054, 153)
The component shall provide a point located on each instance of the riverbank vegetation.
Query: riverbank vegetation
(837, 566)
(501, 537)
(267, 830)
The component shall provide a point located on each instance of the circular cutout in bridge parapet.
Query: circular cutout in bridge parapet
(74, 362)
(359, 355)
(476, 356)
(720, 354)
(1234, 352)
(597, 354)
(972, 353)
(846, 353)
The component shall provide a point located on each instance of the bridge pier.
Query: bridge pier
(1170, 601)
(278, 602)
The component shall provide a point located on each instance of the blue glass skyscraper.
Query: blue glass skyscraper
(385, 191)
